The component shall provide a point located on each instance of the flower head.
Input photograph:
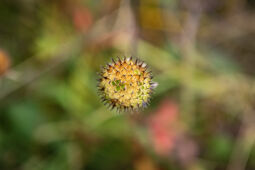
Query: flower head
(126, 84)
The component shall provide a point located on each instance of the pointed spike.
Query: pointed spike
(136, 60)
(109, 106)
(113, 61)
(153, 85)
(151, 92)
(144, 65)
(144, 104)
(120, 108)
(102, 68)
(104, 100)
(112, 107)
(119, 60)
(139, 62)
(132, 108)
(99, 73)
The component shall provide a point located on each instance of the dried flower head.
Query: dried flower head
(126, 84)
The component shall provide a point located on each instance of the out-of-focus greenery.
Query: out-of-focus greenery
(201, 116)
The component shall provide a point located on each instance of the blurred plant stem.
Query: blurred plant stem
(125, 23)
(188, 43)
(245, 140)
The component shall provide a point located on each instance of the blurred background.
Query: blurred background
(202, 114)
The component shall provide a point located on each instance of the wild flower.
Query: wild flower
(126, 84)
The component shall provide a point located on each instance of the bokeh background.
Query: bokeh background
(202, 114)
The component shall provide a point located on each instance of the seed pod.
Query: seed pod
(126, 84)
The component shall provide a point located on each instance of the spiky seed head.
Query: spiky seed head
(126, 84)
